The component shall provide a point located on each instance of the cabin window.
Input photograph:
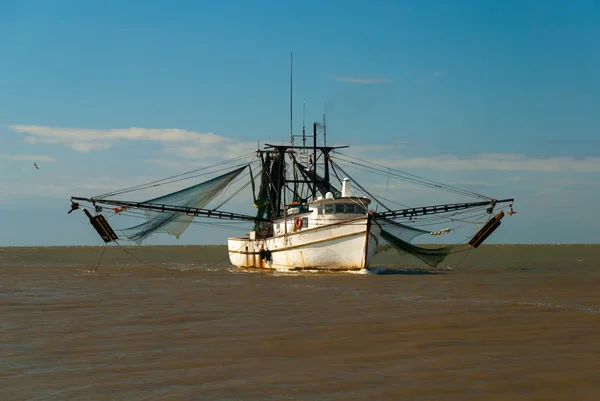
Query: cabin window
(320, 209)
(361, 209)
(339, 208)
(350, 208)
(329, 209)
(305, 222)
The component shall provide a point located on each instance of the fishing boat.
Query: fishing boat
(311, 214)
(303, 220)
(329, 229)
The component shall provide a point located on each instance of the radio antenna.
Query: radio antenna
(324, 126)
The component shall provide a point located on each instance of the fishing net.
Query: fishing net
(399, 236)
(261, 203)
(197, 196)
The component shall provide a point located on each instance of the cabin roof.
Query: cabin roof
(342, 199)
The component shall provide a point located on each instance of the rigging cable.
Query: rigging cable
(411, 180)
(411, 177)
(438, 214)
(165, 268)
(142, 261)
(421, 178)
(335, 165)
(249, 173)
(191, 196)
(160, 181)
(232, 195)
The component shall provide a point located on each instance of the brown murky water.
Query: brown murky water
(513, 323)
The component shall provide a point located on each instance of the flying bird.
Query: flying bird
(36, 166)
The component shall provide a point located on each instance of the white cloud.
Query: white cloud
(106, 183)
(396, 186)
(502, 162)
(228, 149)
(190, 152)
(362, 149)
(186, 164)
(240, 148)
(472, 184)
(33, 189)
(84, 139)
(180, 143)
(365, 81)
(165, 163)
(30, 158)
(87, 146)
(498, 175)
(63, 187)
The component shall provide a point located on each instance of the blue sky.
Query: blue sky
(497, 97)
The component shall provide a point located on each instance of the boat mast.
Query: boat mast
(326, 152)
(291, 72)
(304, 125)
(314, 195)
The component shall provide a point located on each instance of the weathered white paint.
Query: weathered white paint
(334, 241)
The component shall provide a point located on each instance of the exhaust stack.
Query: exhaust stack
(346, 188)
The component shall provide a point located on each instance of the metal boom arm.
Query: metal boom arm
(190, 211)
(419, 211)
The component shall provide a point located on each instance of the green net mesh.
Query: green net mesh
(399, 236)
(197, 196)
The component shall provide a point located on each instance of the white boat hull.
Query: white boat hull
(343, 245)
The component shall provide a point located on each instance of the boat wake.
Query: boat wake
(369, 271)
(295, 272)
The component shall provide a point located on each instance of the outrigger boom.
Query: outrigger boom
(420, 211)
(198, 212)
(190, 211)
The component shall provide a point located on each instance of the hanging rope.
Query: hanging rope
(95, 268)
